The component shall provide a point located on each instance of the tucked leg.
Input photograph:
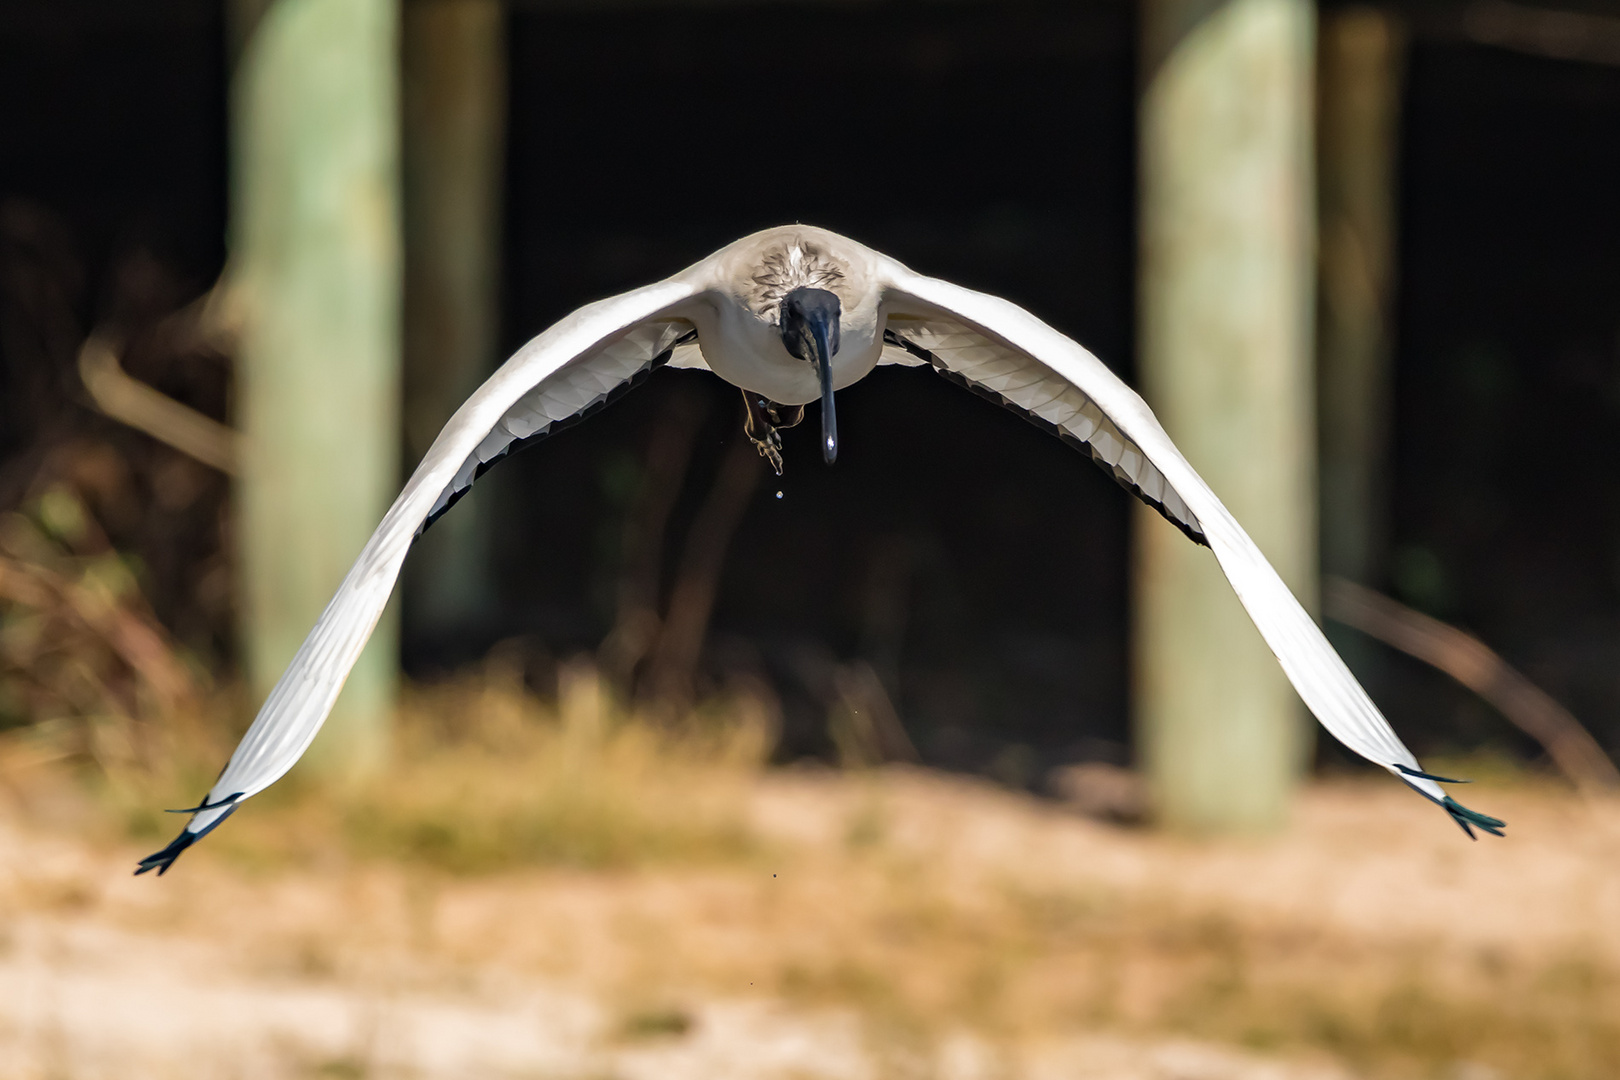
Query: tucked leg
(765, 419)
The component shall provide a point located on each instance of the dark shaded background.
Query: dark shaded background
(987, 143)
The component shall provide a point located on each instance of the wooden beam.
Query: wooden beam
(454, 68)
(1361, 62)
(1361, 56)
(1226, 359)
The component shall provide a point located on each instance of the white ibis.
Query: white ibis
(791, 315)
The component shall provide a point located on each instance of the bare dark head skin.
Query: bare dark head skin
(810, 333)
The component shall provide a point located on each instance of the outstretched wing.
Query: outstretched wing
(993, 370)
(570, 370)
(1001, 350)
(574, 393)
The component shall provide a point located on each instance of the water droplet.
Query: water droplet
(778, 494)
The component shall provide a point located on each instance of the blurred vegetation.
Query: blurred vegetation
(493, 778)
(488, 774)
(85, 667)
(488, 777)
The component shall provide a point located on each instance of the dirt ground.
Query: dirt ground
(895, 923)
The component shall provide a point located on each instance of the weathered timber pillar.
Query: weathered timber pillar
(1226, 290)
(1362, 51)
(454, 67)
(315, 264)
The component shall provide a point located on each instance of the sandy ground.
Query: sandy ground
(897, 924)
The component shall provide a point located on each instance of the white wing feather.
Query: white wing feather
(999, 371)
(535, 388)
(1315, 669)
(577, 388)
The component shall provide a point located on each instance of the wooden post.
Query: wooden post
(454, 67)
(315, 264)
(1226, 288)
(1361, 65)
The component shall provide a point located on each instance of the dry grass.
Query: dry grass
(584, 785)
(662, 873)
(487, 778)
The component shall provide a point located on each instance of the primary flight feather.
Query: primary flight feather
(790, 316)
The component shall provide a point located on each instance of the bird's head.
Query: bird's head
(809, 326)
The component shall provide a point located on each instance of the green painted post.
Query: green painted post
(1226, 289)
(454, 59)
(315, 265)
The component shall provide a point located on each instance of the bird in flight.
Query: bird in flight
(791, 315)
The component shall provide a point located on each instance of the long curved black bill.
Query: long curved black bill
(810, 324)
(829, 416)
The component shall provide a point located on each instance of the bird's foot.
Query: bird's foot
(765, 419)
(770, 448)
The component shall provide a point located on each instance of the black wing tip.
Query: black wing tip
(1430, 776)
(162, 860)
(206, 805)
(1465, 818)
